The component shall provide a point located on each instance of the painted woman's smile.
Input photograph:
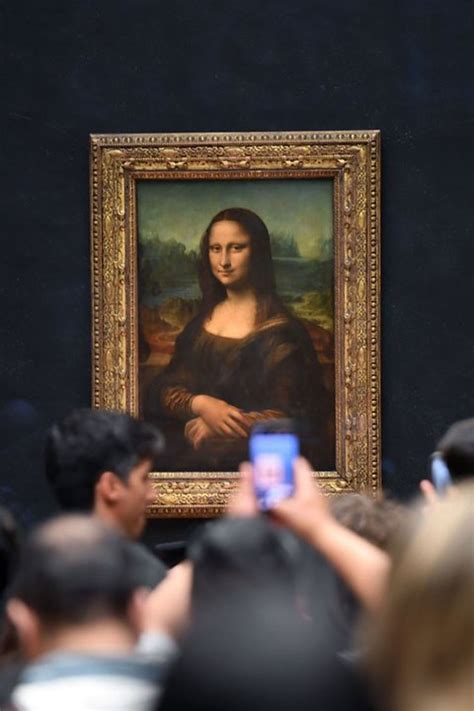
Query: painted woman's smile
(229, 253)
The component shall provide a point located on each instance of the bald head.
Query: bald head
(72, 534)
(74, 569)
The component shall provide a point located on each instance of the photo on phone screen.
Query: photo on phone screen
(272, 454)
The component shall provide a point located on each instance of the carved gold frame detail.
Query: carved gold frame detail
(352, 160)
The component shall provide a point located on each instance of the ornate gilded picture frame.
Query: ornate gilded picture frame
(313, 201)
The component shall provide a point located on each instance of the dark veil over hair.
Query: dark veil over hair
(261, 275)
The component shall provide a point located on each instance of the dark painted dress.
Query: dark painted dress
(272, 372)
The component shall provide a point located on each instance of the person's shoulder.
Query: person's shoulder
(274, 323)
(149, 570)
(271, 336)
(284, 336)
(281, 326)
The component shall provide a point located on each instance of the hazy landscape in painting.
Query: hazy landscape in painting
(172, 216)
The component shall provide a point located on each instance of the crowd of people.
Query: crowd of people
(325, 604)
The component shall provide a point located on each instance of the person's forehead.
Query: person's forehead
(227, 230)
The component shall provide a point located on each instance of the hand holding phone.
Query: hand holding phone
(273, 449)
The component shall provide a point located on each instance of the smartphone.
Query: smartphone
(273, 448)
(439, 473)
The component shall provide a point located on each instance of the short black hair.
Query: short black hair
(240, 556)
(457, 449)
(87, 443)
(74, 569)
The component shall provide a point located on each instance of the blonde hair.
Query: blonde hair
(422, 647)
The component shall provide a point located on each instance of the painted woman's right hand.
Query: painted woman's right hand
(223, 419)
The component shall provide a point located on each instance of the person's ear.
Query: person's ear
(27, 626)
(428, 492)
(109, 487)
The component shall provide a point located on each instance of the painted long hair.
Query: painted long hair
(261, 273)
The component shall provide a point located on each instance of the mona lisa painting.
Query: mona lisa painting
(231, 276)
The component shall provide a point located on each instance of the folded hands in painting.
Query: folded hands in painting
(214, 419)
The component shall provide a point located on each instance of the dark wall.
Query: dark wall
(79, 67)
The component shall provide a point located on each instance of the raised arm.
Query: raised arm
(362, 566)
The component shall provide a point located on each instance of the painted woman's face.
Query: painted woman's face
(229, 253)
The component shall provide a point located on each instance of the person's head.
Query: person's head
(457, 449)
(235, 558)
(422, 648)
(74, 572)
(257, 657)
(99, 461)
(376, 520)
(235, 252)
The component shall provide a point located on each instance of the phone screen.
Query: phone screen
(440, 475)
(272, 457)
